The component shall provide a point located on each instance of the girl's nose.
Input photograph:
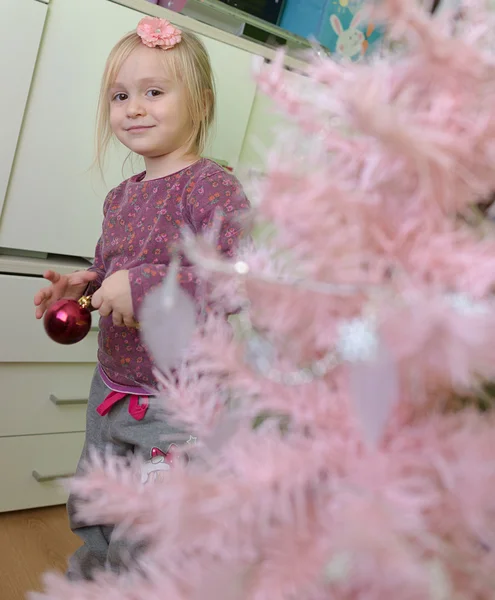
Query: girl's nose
(135, 108)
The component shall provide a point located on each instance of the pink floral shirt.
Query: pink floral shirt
(141, 226)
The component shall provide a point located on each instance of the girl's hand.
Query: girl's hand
(114, 297)
(62, 286)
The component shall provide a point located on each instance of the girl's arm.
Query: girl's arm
(220, 194)
(98, 265)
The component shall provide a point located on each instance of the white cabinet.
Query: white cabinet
(31, 467)
(39, 398)
(265, 121)
(54, 200)
(21, 26)
(260, 133)
(53, 204)
(23, 339)
(44, 389)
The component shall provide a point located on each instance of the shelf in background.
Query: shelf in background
(244, 25)
(217, 21)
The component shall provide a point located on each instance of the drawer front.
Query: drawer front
(49, 457)
(23, 338)
(43, 397)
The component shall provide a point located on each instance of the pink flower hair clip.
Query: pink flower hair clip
(158, 32)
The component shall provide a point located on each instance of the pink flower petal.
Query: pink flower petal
(156, 32)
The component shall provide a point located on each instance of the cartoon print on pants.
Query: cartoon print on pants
(159, 463)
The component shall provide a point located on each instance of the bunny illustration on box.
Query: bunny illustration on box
(346, 31)
(350, 42)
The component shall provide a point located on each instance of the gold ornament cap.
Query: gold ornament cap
(85, 302)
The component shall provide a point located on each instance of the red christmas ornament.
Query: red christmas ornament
(68, 321)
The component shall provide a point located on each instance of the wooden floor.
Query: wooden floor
(32, 542)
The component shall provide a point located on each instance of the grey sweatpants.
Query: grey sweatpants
(123, 434)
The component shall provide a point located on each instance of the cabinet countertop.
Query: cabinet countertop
(209, 31)
(32, 266)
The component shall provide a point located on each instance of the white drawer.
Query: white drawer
(23, 338)
(50, 456)
(43, 397)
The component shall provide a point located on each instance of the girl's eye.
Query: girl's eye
(119, 97)
(153, 93)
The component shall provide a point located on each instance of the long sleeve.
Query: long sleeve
(216, 197)
(98, 265)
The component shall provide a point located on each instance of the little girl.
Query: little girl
(157, 98)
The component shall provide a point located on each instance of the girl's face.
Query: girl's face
(148, 110)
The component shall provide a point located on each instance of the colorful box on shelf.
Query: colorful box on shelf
(339, 25)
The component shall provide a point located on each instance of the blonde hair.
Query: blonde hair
(189, 63)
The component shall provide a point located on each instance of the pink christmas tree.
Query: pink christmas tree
(341, 451)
